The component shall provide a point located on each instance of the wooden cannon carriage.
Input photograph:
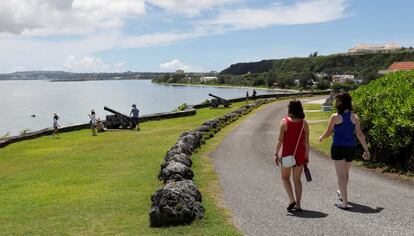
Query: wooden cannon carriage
(117, 120)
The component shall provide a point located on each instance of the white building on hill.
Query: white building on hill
(208, 78)
(367, 48)
(342, 78)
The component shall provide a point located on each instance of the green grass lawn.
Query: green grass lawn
(311, 106)
(86, 185)
(316, 129)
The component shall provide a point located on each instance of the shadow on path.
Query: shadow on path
(307, 214)
(357, 208)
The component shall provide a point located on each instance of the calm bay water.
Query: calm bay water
(74, 100)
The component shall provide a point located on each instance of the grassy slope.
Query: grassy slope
(81, 184)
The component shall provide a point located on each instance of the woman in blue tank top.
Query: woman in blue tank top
(345, 126)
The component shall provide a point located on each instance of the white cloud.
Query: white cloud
(189, 7)
(49, 17)
(90, 64)
(68, 54)
(158, 39)
(176, 64)
(308, 12)
(45, 17)
(108, 8)
(100, 23)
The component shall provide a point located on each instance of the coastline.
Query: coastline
(228, 86)
(88, 80)
(191, 110)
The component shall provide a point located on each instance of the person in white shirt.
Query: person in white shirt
(93, 122)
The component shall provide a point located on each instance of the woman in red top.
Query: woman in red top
(290, 130)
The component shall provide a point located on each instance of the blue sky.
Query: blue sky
(196, 35)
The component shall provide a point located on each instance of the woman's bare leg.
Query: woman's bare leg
(297, 173)
(343, 177)
(285, 172)
(348, 166)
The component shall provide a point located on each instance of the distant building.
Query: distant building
(296, 81)
(398, 66)
(207, 78)
(179, 72)
(320, 75)
(342, 78)
(369, 48)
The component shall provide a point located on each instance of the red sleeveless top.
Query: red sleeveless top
(291, 138)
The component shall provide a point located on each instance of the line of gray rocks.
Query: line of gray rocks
(179, 202)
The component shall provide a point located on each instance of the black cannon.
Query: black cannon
(218, 100)
(117, 120)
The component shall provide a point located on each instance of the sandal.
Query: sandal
(339, 195)
(291, 206)
(339, 206)
(298, 209)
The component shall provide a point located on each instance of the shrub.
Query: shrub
(181, 107)
(207, 101)
(386, 109)
(323, 84)
(347, 86)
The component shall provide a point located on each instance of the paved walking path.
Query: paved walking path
(254, 192)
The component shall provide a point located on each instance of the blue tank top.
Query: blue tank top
(344, 133)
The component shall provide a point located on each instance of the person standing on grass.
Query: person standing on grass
(344, 125)
(135, 117)
(247, 96)
(293, 140)
(93, 122)
(100, 126)
(254, 94)
(55, 125)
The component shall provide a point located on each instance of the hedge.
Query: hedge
(386, 109)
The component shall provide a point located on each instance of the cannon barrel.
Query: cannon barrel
(114, 112)
(217, 97)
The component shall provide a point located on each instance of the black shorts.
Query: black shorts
(343, 152)
(135, 120)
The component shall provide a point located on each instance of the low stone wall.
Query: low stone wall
(179, 202)
(190, 111)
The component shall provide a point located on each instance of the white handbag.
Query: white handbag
(289, 161)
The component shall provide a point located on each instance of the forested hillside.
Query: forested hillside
(313, 72)
(363, 66)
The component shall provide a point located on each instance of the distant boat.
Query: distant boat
(33, 116)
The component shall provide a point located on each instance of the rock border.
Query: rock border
(179, 202)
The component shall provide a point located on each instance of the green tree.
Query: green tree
(323, 84)
(306, 80)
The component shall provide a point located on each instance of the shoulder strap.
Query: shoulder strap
(300, 134)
